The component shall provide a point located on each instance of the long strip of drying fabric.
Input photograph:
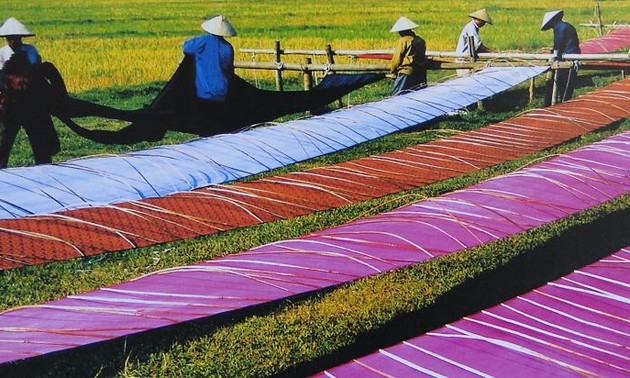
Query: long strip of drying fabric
(107, 182)
(485, 212)
(576, 326)
(88, 231)
(615, 40)
(103, 180)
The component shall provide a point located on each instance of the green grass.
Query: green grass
(120, 53)
(349, 319)
(288, 336)
(293, 335)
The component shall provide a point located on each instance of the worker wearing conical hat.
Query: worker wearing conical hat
(408, 62)
(565, 41)
(214, 59)
(22, 79)
(13, 31)
(479, 18)
(565, 37)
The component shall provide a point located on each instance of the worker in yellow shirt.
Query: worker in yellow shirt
(408, 63)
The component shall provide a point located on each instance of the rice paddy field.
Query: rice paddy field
(99, 44)
(120, 53)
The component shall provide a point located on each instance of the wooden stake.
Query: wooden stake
(554, 92)
(330, 56)
(471, 49)
(279, 84)
(308, 75)
(598, 15)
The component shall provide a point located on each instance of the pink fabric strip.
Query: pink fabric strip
(616, 40)
(577, 325)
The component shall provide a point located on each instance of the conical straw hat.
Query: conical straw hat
(550, 16)
(220, 26)
(481, 14)
(14, 27)
(403, 23)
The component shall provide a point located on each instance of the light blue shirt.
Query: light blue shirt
(214, 64)
(471, 29)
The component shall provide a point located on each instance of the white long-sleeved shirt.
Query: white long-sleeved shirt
(471, 29)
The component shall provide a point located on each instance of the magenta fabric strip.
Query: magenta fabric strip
(575, 326)
(485, 212)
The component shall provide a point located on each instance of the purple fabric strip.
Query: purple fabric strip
(575, 326)
(485, 212)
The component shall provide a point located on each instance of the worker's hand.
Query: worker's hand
(390, 75)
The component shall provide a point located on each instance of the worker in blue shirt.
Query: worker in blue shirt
(565, 41)
(214, 59)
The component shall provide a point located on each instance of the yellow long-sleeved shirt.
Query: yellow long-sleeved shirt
(410, 54)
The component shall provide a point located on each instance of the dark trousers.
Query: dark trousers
(41, 134)
(565, 79)
(31, 110)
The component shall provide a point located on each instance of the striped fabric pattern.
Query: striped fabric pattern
(575, 326)
(491, 210)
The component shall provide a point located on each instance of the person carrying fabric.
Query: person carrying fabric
(408, 63)
(23, 102)
(479, 19)
(565, 41)
(213, 66)
(214, 59)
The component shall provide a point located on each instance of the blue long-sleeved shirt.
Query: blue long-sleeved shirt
(214, 64)
(565, 38)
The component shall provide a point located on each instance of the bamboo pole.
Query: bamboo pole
(472, 52)
(330, 56)
(554, 92)
(383, 67)
(278, 67)
(311, 67)
(598, 16)
(611, 26)
(454, 55)
(472, 56)
(308, 76)
(549, 79)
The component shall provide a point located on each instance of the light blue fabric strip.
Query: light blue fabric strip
(157, 172)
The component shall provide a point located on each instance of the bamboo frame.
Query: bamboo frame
(437, 65)
(621, 57)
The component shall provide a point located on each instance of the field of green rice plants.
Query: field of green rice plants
(120, 53)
